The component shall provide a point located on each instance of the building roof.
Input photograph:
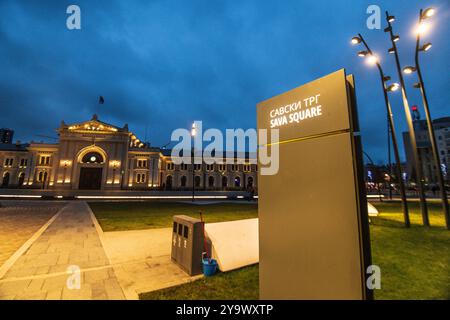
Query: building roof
(13, 147)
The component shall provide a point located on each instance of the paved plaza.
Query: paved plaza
(62, 245)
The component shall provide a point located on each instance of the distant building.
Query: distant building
(442, 132)
(97, 155)
(6, 135)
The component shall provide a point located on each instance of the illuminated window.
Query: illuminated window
(9, 161)
(170, 166)
(42, 176)
(23, 162)
(141, 177)
(142, 163)
(92, 157)
(44, 160)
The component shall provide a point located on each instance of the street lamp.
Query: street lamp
(384, 79)
(193, 134)
(412, 136)
(408, 70)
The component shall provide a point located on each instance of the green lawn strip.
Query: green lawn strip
(414, 262)
(239, 284)
(120, 216)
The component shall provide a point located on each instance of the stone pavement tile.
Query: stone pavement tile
(19, 222)
(93, 276)
(54, 282)
(31, 296)
(84, 293)
(35, 285)
(71, 239)
(113, 290)
(55, 294)
(13, 287)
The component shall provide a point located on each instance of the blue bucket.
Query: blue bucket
(209, 267)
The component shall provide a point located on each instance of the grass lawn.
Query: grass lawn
(120, 216)
(415, 262)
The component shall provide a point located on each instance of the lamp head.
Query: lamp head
(363, 53)
(393, 87)
(429, 12)
(356, 40)
(409, 69)
(427, 46)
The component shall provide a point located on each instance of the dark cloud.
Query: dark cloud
(162, 64)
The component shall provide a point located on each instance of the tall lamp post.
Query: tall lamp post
(193, 133)
(423, 15)
(412, 136)
(393, 87)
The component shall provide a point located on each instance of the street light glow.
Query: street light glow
(409, 69)
(372, 59)
(395, 38)
(391, 19)
(391, 50)
(194, 130)
(356, 40)
(426, 47)
(362, 53)
(422, 28)
(428, 13)
(393, 87)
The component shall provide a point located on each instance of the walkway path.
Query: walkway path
(71, 240)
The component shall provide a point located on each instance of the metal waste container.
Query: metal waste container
(187, 243)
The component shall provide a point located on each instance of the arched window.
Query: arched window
(237, 182)
(183, 181)
(211, 181)
(92, 157)
(224, 182)
(169, 182)
(5, 181)
(197, 181)
(250, 182)
(21, 178)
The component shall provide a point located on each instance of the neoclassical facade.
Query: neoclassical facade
(94, 155)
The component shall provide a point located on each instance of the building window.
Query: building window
(42, 176)
(237, 182)
(23, 162)
(92, 157)
(142, 163)
(222, 167)
(9, 162)
(224, 182)
(170, 166)
(197, 181)
(183, 181)
(247, 168)
(197, 167)
(234, 167)
(44, 160)
(211, 181)
(210, 167)
(184, 166)
(141, 177)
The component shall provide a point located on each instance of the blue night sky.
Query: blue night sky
(163, 64)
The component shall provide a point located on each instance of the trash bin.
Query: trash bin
(187, 244)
